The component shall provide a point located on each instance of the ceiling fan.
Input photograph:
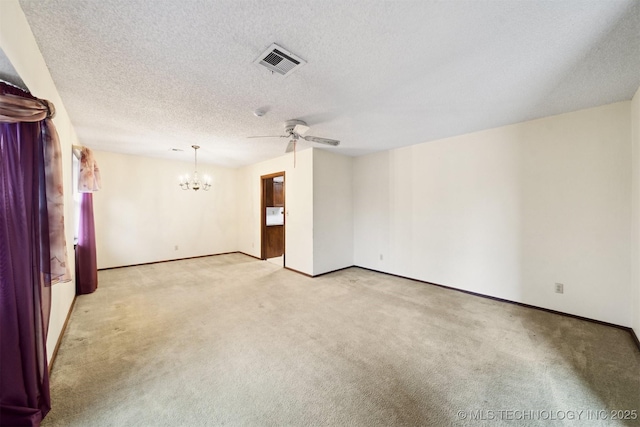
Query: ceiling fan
(296, 129)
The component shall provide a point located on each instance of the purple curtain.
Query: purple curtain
(25, 270)
(86, 265)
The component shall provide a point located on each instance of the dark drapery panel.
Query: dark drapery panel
(32, 251)
(17, 106)
(24, 298)
(86, 265)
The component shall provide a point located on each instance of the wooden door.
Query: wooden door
(273, 236)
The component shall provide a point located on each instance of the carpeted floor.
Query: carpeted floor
(230, 340)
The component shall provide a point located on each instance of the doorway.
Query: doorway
(273, 218)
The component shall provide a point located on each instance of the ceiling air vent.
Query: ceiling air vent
(280, 60)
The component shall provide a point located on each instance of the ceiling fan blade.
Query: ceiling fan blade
(319, 140)
(268, 136)
(290, 147)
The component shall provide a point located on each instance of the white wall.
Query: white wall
(508, 212)
(635, 254)
(141, 213)
(19, 45)
(332, 211)
(298, 208)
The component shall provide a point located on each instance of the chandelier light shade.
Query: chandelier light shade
(195, 183)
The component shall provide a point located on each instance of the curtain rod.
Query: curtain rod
(15, 86)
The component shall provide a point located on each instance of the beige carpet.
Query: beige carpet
(230, 340)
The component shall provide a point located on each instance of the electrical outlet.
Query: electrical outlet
(176, 247)
(381, 257)
(559, 288)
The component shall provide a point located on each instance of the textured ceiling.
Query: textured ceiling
(142, 76)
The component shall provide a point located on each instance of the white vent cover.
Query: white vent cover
(280, 60)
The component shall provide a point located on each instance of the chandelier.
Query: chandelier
(194, 183)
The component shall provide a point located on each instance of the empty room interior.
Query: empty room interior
(325, 213)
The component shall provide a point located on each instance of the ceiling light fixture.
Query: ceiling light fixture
(194, 184)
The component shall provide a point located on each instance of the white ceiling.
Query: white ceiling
(143, 76)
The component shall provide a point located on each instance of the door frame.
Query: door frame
(263, 214)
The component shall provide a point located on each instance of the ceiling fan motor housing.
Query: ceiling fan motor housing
(297, 126)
